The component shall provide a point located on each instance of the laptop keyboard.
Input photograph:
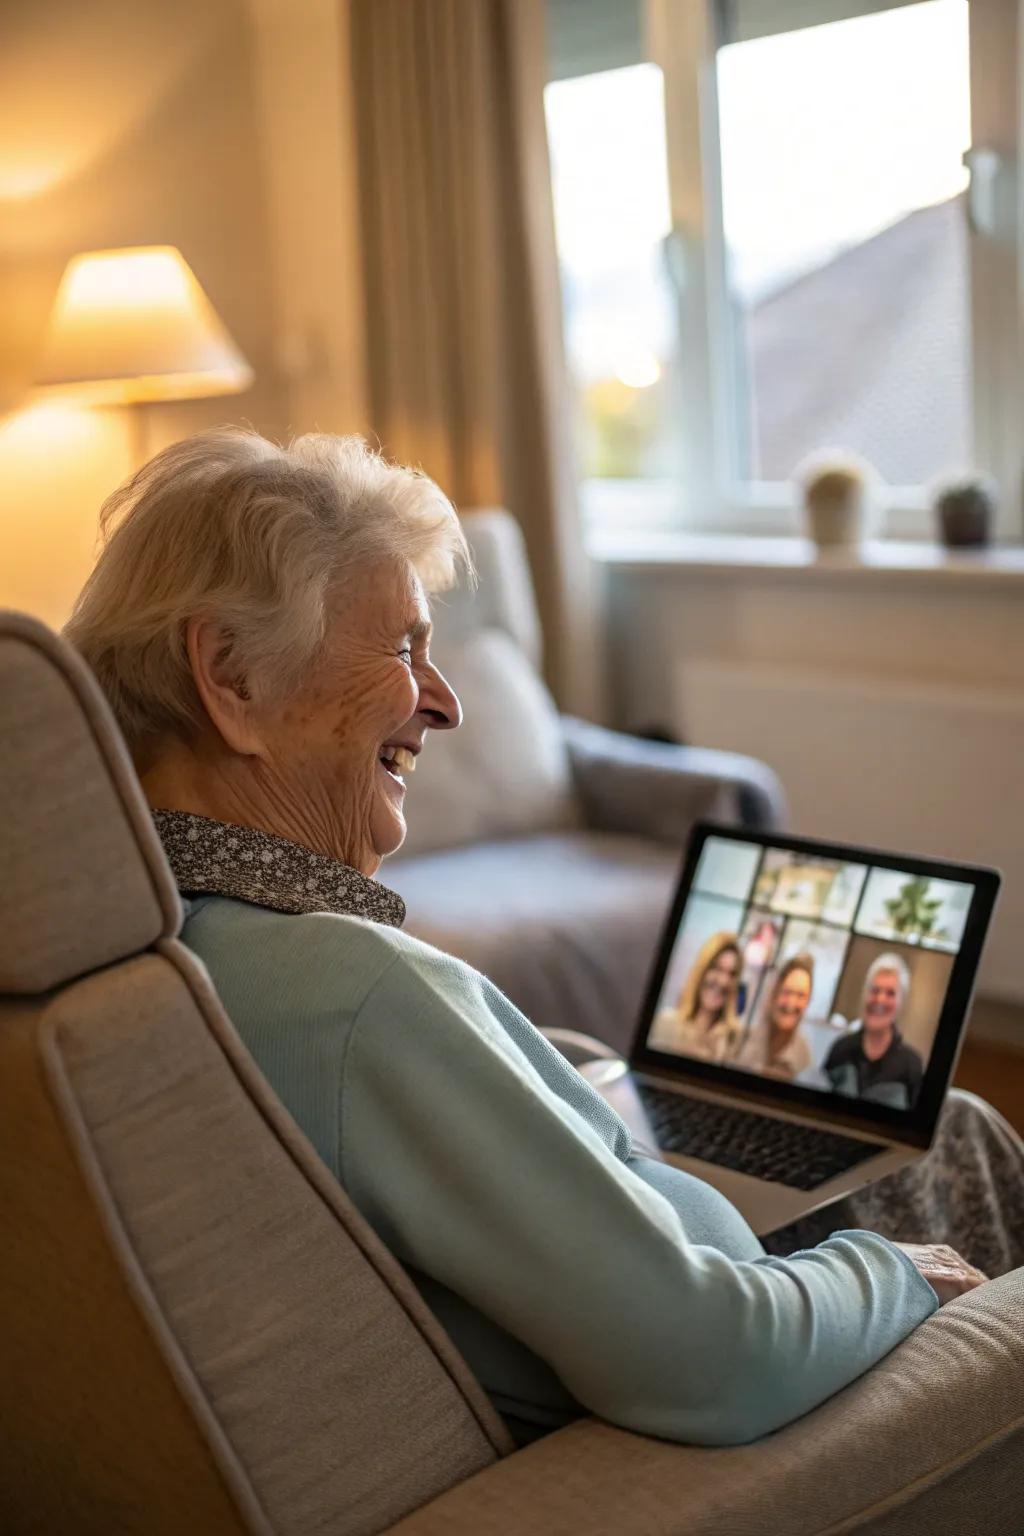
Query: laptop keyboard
(765, 1148)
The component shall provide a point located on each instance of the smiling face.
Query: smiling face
(791, 999)
(342, 746)
(882, 1002)
(719, 982)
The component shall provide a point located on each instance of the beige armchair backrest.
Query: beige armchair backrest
(198, 1330)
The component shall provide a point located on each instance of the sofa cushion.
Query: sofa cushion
(503, 596)
(505, 772)
(566, 924)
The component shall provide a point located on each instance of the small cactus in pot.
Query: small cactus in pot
(965, 506)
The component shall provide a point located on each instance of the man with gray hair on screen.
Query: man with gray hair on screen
(873, 1061)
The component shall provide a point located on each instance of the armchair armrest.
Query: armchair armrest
(931, 1439)
(654, 789)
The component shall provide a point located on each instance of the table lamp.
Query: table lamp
(133, 325)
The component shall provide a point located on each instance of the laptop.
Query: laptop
(803, 1018)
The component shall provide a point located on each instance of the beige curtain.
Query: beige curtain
(464, 340)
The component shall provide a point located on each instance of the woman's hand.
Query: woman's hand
(946, 1272)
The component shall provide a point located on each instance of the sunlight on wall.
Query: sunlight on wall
(101, 79)
(57, 464)
(120, 125)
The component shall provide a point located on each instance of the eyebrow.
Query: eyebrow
(418, 628)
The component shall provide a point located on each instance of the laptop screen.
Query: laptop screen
(834, 972)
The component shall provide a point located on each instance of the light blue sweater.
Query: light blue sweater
(568, 1271)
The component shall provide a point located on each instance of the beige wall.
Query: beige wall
(308, 151)
(120, 124)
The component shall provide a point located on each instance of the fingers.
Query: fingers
(949, 1274)
(947, 1261)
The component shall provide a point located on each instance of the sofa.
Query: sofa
(543, 849)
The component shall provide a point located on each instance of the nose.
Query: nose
(439, 704)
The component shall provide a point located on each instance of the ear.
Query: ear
(222, 687)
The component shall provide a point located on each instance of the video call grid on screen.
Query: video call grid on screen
(857, 921)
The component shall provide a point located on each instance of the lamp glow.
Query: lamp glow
(134, 325)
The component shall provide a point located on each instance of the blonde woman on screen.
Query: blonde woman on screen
(703, 1022)
(777, 1045)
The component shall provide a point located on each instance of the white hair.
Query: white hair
(228, 526)
(887, 963)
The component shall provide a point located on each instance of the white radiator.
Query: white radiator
(926, 768)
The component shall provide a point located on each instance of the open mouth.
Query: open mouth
(397, 761)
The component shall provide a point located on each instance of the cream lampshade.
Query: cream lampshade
(134, 325)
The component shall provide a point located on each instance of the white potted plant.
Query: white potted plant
(839, 498)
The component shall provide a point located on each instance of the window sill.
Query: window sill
(730, 554)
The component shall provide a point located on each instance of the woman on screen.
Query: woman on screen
(703, 1023)
(777, 1045)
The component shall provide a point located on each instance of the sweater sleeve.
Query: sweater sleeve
(483, 1168)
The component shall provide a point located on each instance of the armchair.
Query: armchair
(543, 849)
(198, 1330)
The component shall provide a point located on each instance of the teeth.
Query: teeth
(404, 760)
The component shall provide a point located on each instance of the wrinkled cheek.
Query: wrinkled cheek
(354, 742)
(357, 796)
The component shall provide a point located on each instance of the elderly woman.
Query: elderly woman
(259, 620)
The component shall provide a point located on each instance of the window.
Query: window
(843, 186)
(612, 221)
(775, 236)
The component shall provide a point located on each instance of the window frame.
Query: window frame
(682, 37)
